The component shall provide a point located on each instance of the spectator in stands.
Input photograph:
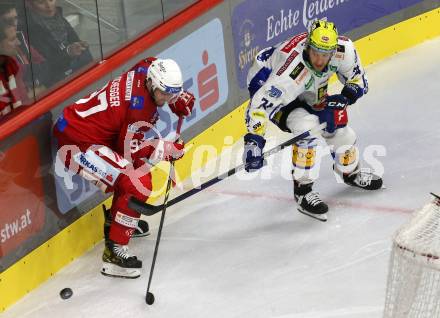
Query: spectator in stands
(33, 76)
(52, 35)
(13, 93)
(8, 12)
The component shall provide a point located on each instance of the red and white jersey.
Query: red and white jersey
(105, 116)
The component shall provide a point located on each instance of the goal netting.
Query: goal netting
(413, 289)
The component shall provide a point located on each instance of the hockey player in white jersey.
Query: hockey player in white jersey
(288, 86)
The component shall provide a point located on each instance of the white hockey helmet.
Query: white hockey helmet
(165, 75)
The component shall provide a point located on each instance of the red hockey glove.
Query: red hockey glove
(167, 150)
(160, 150)
(183, 105)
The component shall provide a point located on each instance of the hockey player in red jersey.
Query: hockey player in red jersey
(102, 138)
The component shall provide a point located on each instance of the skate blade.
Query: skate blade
(113, 270)
(320, 217)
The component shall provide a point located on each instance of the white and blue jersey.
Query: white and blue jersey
(281, 74)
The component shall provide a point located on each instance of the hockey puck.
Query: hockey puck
(66, 293)
(149, 298)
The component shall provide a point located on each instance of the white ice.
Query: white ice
(240, 249)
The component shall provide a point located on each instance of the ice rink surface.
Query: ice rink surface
(241, 249)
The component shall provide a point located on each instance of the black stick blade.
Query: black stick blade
(142, 207)
(436, 198)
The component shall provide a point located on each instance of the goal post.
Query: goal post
(413, 288)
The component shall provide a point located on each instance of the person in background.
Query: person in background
(8, 12)
(13, 93)
(52, 35)
(33, 75)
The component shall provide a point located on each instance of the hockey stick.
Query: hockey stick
(149, 209)
(149, 297)
(436, 198)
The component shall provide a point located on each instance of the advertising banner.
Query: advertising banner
(201, 56)
(257, 24)
(22, 195)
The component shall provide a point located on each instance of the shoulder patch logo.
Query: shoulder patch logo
(297, 70)
(274, 92)
(266, 54)
(137, 102)
(142, 69)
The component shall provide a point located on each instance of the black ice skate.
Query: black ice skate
(364, 179)
(141, 230)
(309, 202)
(117, 262)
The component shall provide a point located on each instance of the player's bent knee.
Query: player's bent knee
(300, 120)
(132, 185)
(342, 137)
